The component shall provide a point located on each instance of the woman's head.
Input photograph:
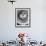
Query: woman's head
(23, 15)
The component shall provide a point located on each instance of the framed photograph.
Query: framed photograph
(22, 17)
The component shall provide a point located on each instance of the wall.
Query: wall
(37, 30)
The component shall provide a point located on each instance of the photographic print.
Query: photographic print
(22, 17)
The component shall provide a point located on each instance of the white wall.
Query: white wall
(37, 30)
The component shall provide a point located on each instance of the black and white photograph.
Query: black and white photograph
(22, 16)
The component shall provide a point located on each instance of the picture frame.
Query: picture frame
(22, 17)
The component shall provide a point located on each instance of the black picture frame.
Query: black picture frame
(19, 14)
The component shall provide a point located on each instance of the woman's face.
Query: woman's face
(23, 15)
